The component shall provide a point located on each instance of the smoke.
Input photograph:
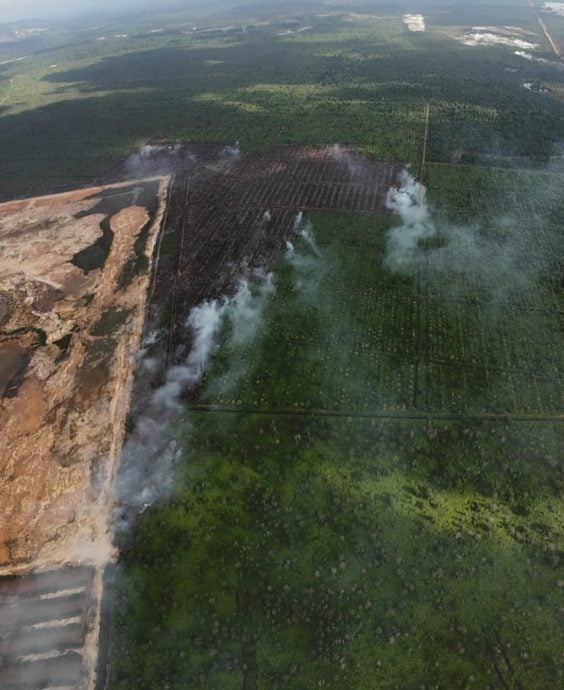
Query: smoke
(491, 262)
(306, 260)
(205, 322)
(155, 159)
(151, 452)
(233, 151)
(245, 311)
(243, 318)
(228, 156)
(355, 165)
(409, 202)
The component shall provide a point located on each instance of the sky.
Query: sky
(12, 10)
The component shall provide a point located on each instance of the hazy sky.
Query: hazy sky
(11, 10)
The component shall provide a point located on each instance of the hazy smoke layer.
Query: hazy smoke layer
(245, 311)
(491, 262)
(409, 202)
(356, 165)
(147, 466)
(243, 317)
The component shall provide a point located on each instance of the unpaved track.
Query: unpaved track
(425, 143)
(546, 32)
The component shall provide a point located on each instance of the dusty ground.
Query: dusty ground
(74, 272)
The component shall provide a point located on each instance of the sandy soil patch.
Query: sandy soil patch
(72, 308)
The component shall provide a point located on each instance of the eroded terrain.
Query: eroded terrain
(75, 269)
(72, 279)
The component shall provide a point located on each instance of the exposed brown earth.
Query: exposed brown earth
(71, 319)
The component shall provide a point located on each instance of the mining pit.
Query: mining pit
(82, 275)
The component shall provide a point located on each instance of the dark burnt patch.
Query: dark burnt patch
(139, 262)
(45, 297)
(5, 308)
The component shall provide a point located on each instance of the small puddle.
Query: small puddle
(14, 360)
(16, 352)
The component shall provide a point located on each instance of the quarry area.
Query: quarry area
(74, 278)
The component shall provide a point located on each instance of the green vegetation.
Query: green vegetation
(332, 524)
(334, 553)
(369, 493)
(69, 113)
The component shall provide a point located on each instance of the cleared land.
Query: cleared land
(47, 622)
(75, 270)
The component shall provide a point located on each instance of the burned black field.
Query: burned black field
(230, 213)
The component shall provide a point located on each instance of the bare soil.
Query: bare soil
(64, 384)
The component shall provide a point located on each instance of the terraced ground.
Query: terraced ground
(44, 628)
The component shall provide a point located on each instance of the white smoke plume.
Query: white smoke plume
(304, 229)
(493, 261)
(147, 466)
(354, 163)
(305, 257)
(205, 322)
(152, 159)
(309, 238)
(409, 202)
(244, 317)
(233, 151)
(245, 310)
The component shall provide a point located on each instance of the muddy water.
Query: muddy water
(14, 359)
